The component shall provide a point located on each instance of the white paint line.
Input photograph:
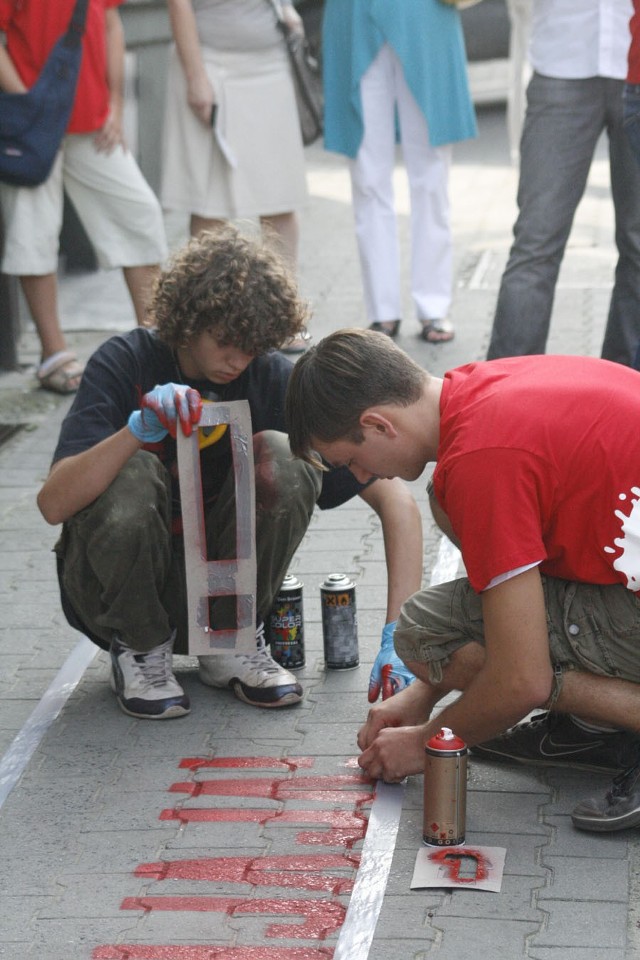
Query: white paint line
(356, 934)
(478, 277)
(26, 742)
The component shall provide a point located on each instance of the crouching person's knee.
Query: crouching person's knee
(282, 480)
(135, 506)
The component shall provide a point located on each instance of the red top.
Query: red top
(539, 462)
(33, 26)
(634, 50)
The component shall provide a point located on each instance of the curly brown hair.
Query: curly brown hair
(231, 283)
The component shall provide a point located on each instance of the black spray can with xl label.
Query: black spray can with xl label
(339, 622)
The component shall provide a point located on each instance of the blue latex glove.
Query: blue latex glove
(162, 408)
(389, 673)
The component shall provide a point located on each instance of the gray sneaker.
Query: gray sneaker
(556, 740)
(618, 809)
(144, 683)
(254, 678)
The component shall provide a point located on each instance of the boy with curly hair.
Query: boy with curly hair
(220, 311)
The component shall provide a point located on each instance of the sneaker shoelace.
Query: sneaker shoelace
(154, 667)
(261, 659)
(623, 783)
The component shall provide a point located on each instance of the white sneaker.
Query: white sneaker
(144, 683)
(255, 678)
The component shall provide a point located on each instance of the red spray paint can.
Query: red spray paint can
(445, 790)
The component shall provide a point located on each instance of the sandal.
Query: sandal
(437, 331)
(390, 327)
(297, 345)
(60, 373)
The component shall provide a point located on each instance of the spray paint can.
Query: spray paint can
(339, 622)
(285, 626)
(445, 790)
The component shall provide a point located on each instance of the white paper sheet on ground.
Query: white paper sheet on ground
(474, 868)
(218, 578)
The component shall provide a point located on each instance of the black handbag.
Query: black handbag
(32, 124)
(307, 81)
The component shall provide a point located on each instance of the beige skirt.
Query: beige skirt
(252, 164)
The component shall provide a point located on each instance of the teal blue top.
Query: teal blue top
(427, 38)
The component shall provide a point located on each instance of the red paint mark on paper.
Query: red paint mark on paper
(138, 951)
(320, 917)
(455, 862)
(300, 872)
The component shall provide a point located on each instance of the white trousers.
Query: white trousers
(383, 89)
(114, 202)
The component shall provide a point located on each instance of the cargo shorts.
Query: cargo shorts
(591, 628)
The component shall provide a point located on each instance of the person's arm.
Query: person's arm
(292, 18)
(200, 93)
(515, 678)
(10, 81)
(111, 134)
(74, 482)
(402, 534)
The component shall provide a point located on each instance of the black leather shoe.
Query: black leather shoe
(390, 327)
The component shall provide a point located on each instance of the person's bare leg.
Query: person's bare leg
(140, 282)
(600, 700)
(200, 224)
(41, 294)
(286, 229)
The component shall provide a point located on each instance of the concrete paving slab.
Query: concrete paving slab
(97, 800)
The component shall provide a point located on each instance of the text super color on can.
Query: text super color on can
(286, 624)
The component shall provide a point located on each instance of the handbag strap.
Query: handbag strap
(75, 30)
(277, 9)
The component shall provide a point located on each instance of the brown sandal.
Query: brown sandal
(437, 331)
(60, 373)
(390, 327)
(298, 345)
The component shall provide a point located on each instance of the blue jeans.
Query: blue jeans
(562, 126)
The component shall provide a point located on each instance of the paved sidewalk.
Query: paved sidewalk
(235, 832)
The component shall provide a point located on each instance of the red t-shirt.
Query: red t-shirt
(633, 75)
(539, 461)
(32, 28)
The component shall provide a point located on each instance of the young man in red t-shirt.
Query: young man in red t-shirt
(537, 479)
(114, 202)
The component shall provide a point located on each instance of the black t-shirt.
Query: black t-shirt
(127, 366)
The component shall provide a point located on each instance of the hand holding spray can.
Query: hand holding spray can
(445, 790)
(339, 622)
